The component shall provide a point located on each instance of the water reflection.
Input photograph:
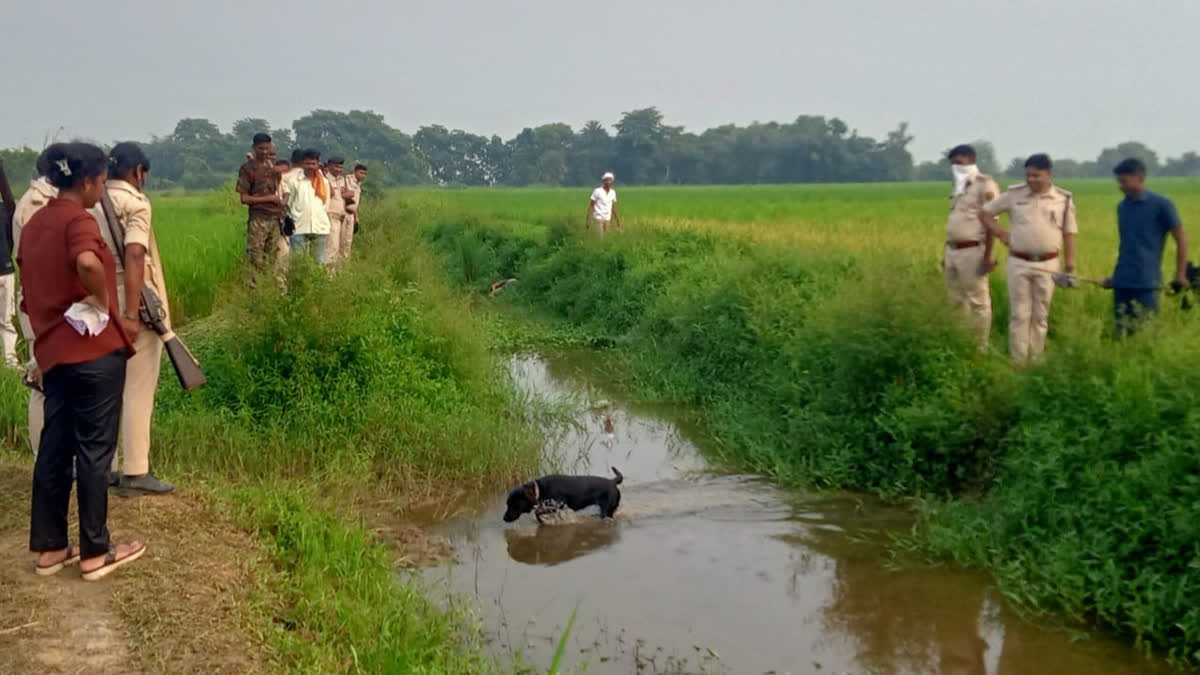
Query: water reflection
(767, 579)
(557, 543)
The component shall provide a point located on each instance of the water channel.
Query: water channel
(708, 573)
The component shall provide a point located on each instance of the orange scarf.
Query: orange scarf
(321, 187)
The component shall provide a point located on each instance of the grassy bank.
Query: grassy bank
(806, 327)
(329, 410)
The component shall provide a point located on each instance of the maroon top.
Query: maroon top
(50, 243)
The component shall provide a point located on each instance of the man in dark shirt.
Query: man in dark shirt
(1143, 220)
(258, 184)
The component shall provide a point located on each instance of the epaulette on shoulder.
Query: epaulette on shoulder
(1065, 193)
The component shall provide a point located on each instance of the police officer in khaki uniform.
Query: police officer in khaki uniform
(40, 193)
(141, 264)
(967, 258)
(355, 182)
(339, 189)
(1042, 219)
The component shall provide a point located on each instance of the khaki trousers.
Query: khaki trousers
(346, 241)
(8, 309)
(969, 291)
(333, 247)
(137, 403)
(1030, 289)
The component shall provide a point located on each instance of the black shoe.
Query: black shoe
(145, 484)
(114, 479)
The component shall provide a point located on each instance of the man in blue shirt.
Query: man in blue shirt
(1143, 220)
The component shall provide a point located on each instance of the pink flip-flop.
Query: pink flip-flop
(71, 559)
(111, 563)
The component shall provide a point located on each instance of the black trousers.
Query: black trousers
(83, 412)
(1133, 307)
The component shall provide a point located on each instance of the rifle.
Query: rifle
(153, 315)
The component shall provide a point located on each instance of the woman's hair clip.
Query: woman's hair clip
(112, 160)
(64, 166)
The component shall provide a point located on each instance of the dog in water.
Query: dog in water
(550, 493)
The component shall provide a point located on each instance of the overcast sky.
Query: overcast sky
(1063, 76)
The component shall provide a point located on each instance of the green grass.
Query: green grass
(202, 240)
(806, 328)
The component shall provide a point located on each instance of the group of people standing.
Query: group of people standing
(95, 366)
(300, 205)
(1043, 229)
(85, 246)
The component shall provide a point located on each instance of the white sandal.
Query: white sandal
(71, 559)
(111, 563)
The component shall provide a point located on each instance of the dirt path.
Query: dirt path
(183, 608)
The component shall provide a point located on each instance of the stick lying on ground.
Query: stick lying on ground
(153, 315)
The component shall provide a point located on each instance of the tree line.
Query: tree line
(644, 150)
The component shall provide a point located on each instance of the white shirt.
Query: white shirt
(305, 207)
(603, 201)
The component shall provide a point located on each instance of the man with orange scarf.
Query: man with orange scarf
(307, 199)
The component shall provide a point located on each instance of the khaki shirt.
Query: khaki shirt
(356, 188)
(39, 194)
(1037, 223)
(964, 223)
(337, 204)
(134, 216)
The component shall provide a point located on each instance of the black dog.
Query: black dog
(573, 492)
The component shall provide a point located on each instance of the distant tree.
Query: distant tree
(523, 157)
(1015, 168)
(1187, 164)
(194, 130)
(499, 158)
(898, 162)
(1110, 157)
(244, 129)
(1070, 168)
(686, 160)
(985, 157)
(591, 154)
(639, 146)
(937, 170)
(360, 135)
(284, 142)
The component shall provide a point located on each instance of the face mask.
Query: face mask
(963, 173)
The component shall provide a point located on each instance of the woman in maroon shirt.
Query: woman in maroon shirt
(64, 263)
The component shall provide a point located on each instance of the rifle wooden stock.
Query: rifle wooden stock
(187, 368)
(151, 312)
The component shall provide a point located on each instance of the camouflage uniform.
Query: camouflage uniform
(258, 179)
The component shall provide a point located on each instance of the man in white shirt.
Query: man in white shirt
(603, 208)
(307, 197)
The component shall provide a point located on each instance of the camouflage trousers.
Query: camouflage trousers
(262, 234)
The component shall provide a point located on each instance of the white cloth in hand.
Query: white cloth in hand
(86, 319)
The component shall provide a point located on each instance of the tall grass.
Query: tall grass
(815, 346)
(202, 240)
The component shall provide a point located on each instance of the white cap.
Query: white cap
(607, 176)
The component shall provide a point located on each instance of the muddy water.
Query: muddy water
(726, 574)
